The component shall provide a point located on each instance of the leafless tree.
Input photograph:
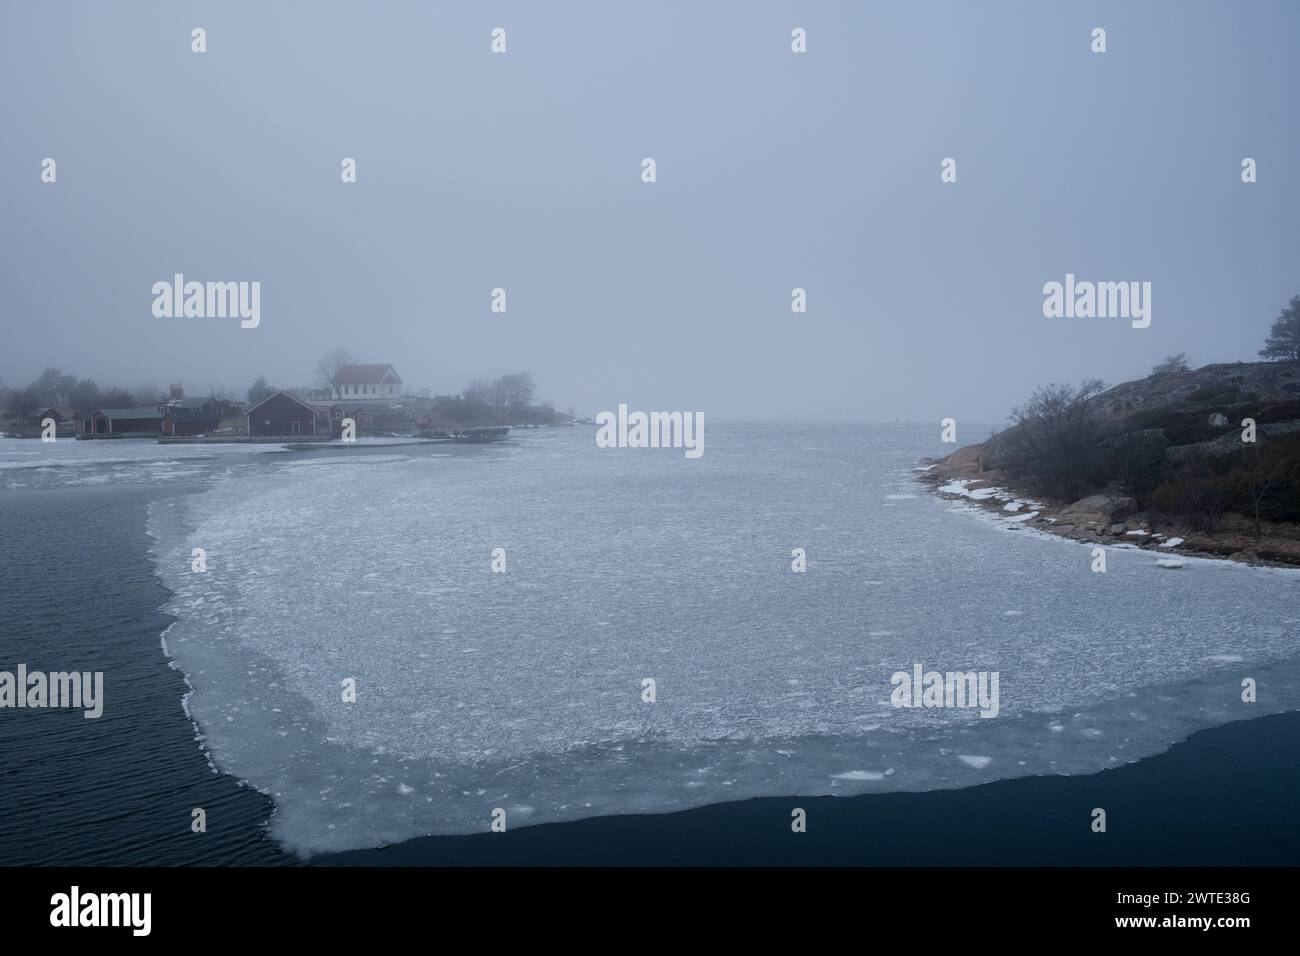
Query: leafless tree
(515, 390)
(327, 369)
(1262, 477)
(478, 391)
(1200, 492)
(1055, 441)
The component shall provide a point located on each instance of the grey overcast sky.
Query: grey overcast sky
(775, 170)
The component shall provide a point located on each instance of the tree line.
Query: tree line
(53, 387)
(511, 397)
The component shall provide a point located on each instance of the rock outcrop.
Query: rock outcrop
(1198, 411)
(1099, 509)
(1174, 444)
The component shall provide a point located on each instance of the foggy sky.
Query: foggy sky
(522, 170)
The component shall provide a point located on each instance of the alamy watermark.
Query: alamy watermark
(75, 909)
(652, 430)
(208, 300)
(922, 688)
(55, 689)
(1098, 300)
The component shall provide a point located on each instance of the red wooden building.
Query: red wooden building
(190, 416)
(143, 419)
(283, 416)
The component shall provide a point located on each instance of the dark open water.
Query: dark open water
(80, 593)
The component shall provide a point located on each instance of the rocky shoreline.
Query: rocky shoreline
(1104, 519)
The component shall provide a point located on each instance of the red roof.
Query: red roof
(368, 375)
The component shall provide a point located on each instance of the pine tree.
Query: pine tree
(1283, 342)
(1174, 363)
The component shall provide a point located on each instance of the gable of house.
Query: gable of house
(138, 413)
(201, 415)
(367, 381)
(60, 413)
(282, 414)
(368, 375)
(141, 418)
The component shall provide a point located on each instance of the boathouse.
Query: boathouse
(189, 416)
(283, 416)
(65, 417)
(141, 420)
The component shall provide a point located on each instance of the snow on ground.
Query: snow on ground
(1028, 516)
(961, 487)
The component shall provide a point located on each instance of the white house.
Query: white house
(367, 381)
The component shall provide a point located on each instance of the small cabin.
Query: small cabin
(283, 416)
(141, 420)
(190, 416)
(65, 419)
